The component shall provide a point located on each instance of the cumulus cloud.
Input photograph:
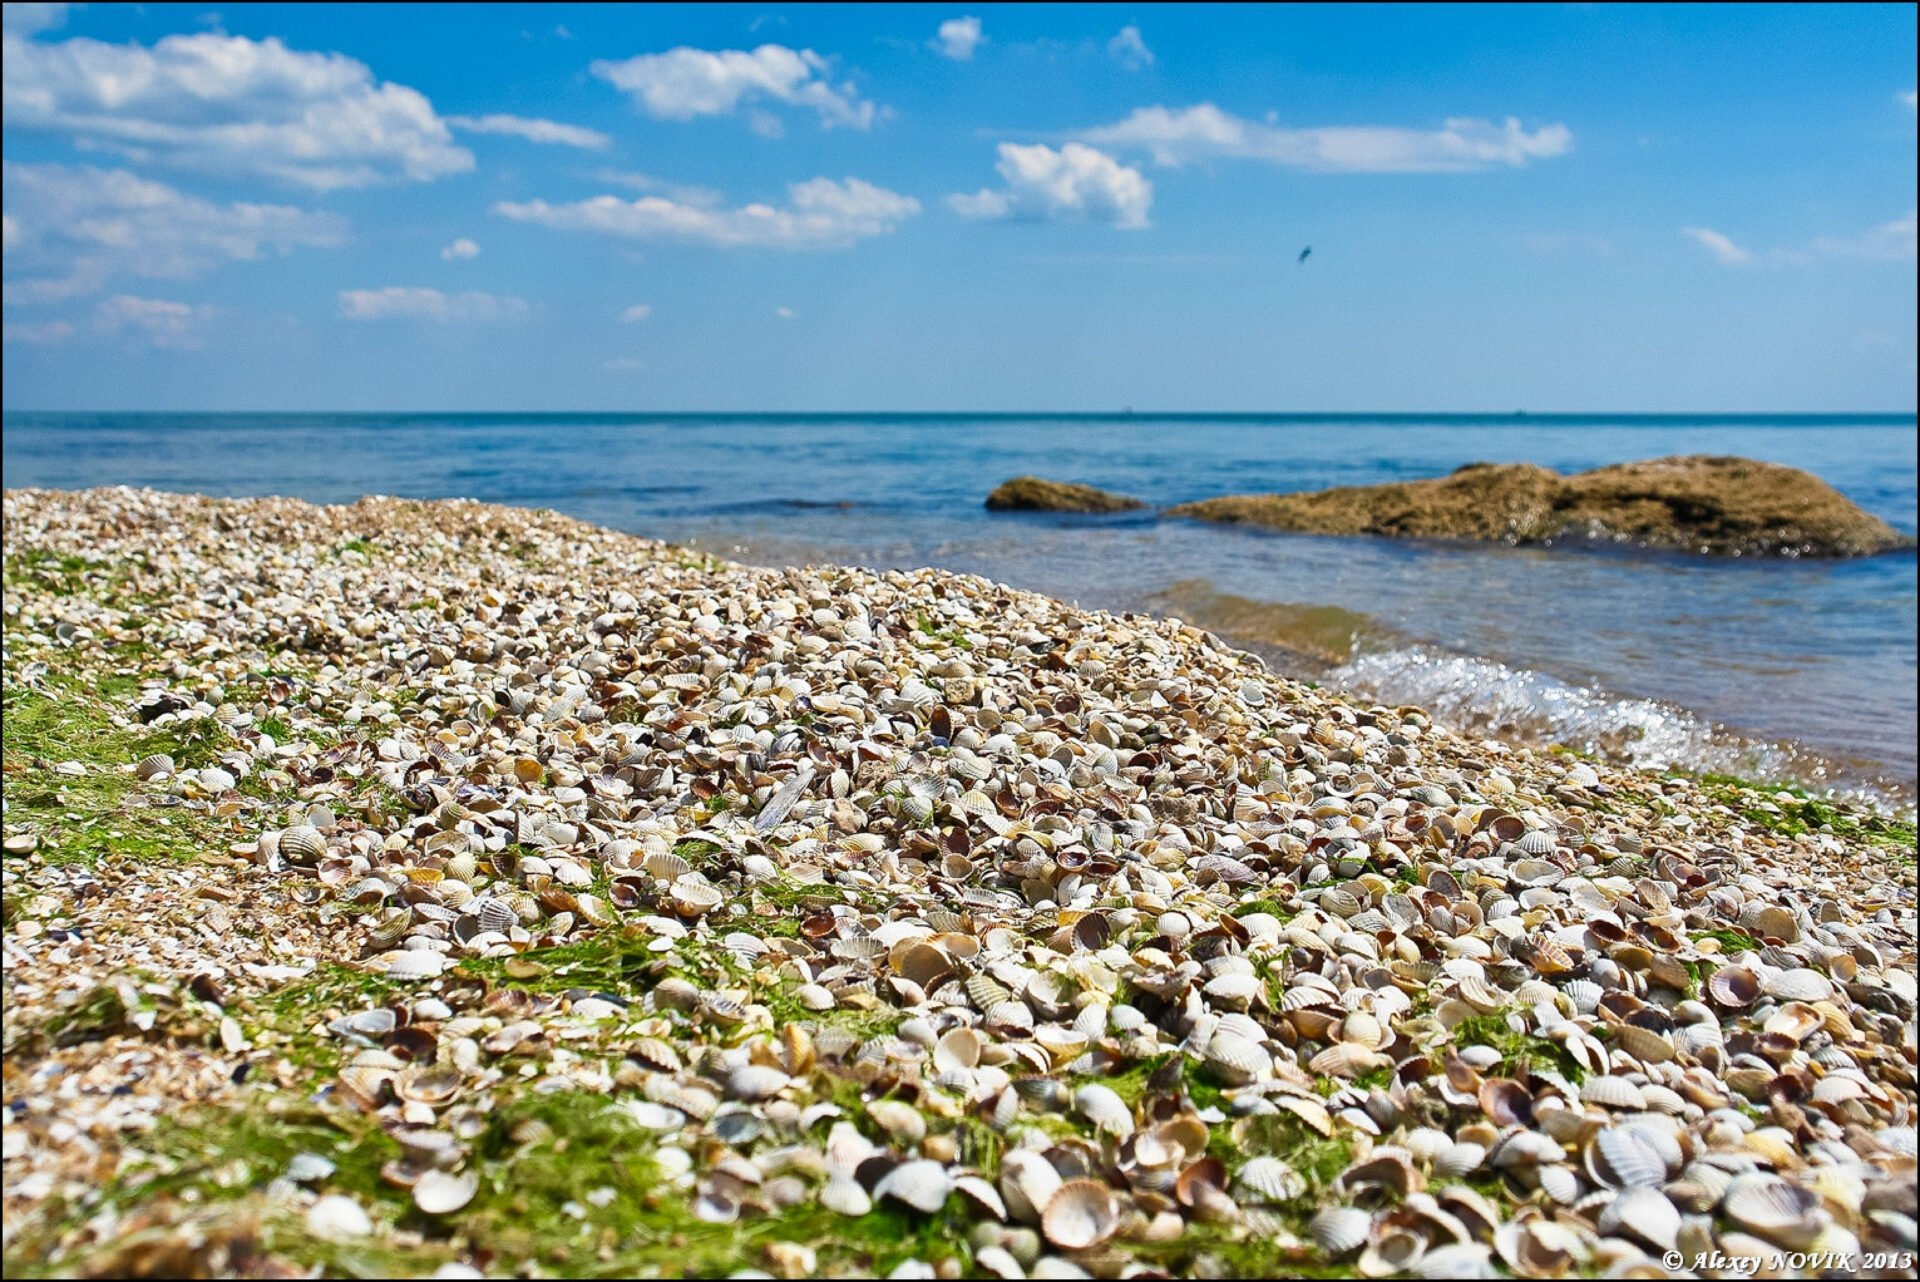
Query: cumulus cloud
(957, 38)
(228, 104)
(534, 129)
(462, 248)
(1129, 50)
(1189, 134)
(820, 214)
(1889, 241)
(1075, 183)
(413, 303)
(683, 83)
(71, 229)
(637, 312)
(36, 332)
(1718, 244)
(29, 18)
(158, 321)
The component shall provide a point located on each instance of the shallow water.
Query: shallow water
(1803, 669)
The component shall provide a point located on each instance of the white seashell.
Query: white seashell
(1082, 1214)
(921, 1184)
(1340, 1230)
(441, 1193)
(1106, 1110)
(338, 1216)
(1802, 984)
(1269, 1179)
(1028, 1182)
(1620, 1158)
(1768, 1206)
(756, 1082)
(843, 1195)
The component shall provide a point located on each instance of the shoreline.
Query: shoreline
(888, 786)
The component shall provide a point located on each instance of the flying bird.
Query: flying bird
(1303, 254)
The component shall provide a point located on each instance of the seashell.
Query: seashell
(756, 1082)
(302, 844)
(1340, 1230)
(1459, 1158)
(1268, 1179)
(439, 1193)
(1240, 1059)
(1769, 921)
(1100, 1106)
(1801, 984)
(957, 1049)
(693, 895)
(1643, 1044)
(1613, 1092)
(1771, 1208)
(921, 1184)
(1081, 1214)
(1559, 1183)
(843, 1195)
(1619, 1158)
(1028, 1183)
(1644, 1214)
(152, 767)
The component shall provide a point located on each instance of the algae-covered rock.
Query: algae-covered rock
(1031, 494)
(1695, 503)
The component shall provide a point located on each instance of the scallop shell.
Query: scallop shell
(1771, 1208)
(1620, 1158)
(843, 1195)
(1644, 1214)
(152, 767)
(1801, 984)
(1028, 1182)
(693, 895)
(1613, 1092)
(1081, 1214)
(921, 1184)
(1268, 1179)
(1341, 1230)
(1102, 1107)
(302, 844)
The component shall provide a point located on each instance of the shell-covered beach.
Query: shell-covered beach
(430, 887)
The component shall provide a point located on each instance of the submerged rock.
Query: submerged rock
(1031, 494)
(1696, 503)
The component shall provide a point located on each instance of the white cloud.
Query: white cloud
(1719, 245)
(160, 322)
(1072, 184)
(29, 18)
(228, 104)
(71, 229)
(820, 214)
(401, 302)
(684, 193)
(9, 232)
(683, 83)
(1890, 241)
(784, 313)
(1912, 99)
(36, 331)
(1129, 50)
(637, 312)
(534, 130)
(462, 248)
(1185, 135)
(624, 363)
(958, 38)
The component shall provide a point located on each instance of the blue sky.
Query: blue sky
(913, 207)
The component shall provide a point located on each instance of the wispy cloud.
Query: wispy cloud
(1718, 244)
(1891, 241)
(71, 229)
(1180, 136)
(1129, 50)
(227, 104)
(534, 129)
(1074, 184)
(957, 38)
(684, 84)
(462, 248)
(684, 193)
(637, 312)
(37, 332)
(1911, 98)
(820, 214)
(158, 321)
(785, 313)
(414, 303)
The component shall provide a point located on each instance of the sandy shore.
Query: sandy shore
(402, 887)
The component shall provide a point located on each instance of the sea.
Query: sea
(1793, 670)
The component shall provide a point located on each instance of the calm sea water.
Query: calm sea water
(1800, 669)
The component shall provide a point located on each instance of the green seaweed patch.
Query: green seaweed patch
(1520, 1052)
(1731, 941)
(104, 810)
(1789, 811)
